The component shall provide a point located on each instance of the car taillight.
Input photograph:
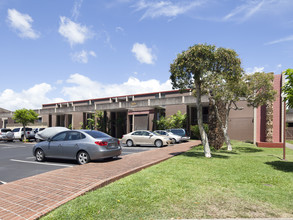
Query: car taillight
(28, 132)
(101, 143)
(118, 142)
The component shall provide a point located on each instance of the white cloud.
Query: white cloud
(154, 9)
(245, 11)
(85, 88)
(32, 98)
(119, 29)
(76, 8)
(250, 71)
(279, 65)
(82, 56)
(285, 39)
(22, 23)
(143, 54)
(75, 33)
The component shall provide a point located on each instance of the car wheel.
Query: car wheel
(173, 141)
(40, 156)
(83, 157)
(22, 138)
(158, 143)
(129, 143)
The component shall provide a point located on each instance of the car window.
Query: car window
(59, 137)
(5, 130)
(178, 131)
(73, 135)
(28, 129)
(137, 133)
(145, 133)
(15, 130)
(97, 134)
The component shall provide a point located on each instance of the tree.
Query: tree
(177, 120)
(288, 88)
(188, 71)
(224, 87)
(259, 89)
(25, 116)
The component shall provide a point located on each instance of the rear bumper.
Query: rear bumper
(107, 153)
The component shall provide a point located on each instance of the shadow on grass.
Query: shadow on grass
(248, 150)
(281, 165)
(201, 154)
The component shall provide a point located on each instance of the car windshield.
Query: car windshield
(5, 130)
(97, 134)
(15, 130)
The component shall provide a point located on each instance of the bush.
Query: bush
(194, 130)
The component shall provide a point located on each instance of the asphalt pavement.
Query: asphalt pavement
(17, 161)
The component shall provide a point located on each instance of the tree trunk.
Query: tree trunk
(224, 126)
(215, 134)
(24, 134)
(203, 135)
(227, 139)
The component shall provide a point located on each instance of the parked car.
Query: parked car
(36, 130)
(80, 145)
(143, 137)
(6, 134)
(48, 133)
(174, 137)
(181, 132)
(19, 134)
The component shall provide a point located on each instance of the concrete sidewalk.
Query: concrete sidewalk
(32, 197)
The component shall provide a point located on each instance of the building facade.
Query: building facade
(123, 114)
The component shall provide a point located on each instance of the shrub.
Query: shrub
(194, 130)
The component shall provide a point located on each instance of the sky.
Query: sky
(65, 50)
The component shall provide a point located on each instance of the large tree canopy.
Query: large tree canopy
(188, 71)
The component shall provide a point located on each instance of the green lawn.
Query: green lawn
(248, 182)
(289, 141)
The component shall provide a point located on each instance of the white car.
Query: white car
(175, 138)
(19, 134)
(143, 137)
(6, 134)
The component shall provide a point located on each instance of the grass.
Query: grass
(248, 182)
(289, 141)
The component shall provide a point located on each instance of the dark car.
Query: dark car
(181, 132)
(80, 145)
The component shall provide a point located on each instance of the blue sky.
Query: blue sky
(53, 51)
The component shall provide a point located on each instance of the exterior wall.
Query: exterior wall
(277, 115)
(277, 109)
(241, 123)
(173, 109)
(77, 117)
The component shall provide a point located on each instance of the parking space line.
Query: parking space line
(10, 147)
(41, 163)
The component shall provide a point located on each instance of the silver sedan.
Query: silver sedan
(143, 137)
(81, 145)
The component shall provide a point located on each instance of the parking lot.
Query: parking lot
(17, 161)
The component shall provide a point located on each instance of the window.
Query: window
(73, 135)
(96, 134)
(145, 133)
(59, 137)
(137, 133)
